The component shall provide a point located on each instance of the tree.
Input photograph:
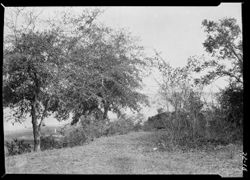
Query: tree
(35, 61)
(29, 72)
(178, 87)
(103, 68)
(224, 43)
(106, 73)
(74, 66)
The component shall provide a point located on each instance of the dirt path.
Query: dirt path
(123, 154)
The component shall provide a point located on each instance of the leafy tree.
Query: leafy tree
(29, 72)
(35, 66)
(32, 60)
(178, 88)
(224, 43)
(75, 66)
(177, 84)
(103, 73)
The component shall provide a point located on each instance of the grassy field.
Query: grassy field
(133, 153)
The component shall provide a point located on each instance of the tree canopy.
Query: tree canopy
(224, 43)
(103, 72)
(74, 66)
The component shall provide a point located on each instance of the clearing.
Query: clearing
(131, 153)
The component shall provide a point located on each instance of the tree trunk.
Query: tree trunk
(105, 113)
(194, 124)
(36, 127)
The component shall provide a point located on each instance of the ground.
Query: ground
(133, 153)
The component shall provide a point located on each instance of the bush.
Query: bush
(231, 102)
(71, 136)
(147, 126)
(138, 126)
(74, 136)
(93, 128)
(138, 121)
(121, 126)
(179, 129)
(50, 142)
(17, 147)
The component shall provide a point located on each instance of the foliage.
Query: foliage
(29, 70)
(75, 136)
(31, 63)
(231, 102)
(16, 146)
(160, 110)
(138, 120)
(92, 126)
(103, 72)
(190, 122)
(219, 129)
(147, 126)
(123, 125)
(224, 43)
(74, 66)
(179, 89)
(87, 130)
(50, 142)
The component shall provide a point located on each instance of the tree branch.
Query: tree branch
(235, 54)
(231, 75)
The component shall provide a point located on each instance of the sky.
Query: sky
(175, 32)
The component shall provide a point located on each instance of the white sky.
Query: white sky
(176, 32)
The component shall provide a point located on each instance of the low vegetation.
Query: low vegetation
(84, 132)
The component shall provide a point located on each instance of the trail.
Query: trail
(121, 154)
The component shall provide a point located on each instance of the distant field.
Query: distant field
(27, 134)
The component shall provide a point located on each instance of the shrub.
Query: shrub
(179, 129)
(17, 147)
(138, 126)
(231, 102)
(50, 142)
(92, 127)
(71, 136)
(74, 136)
(147, 126)
(123, 125)
(138, 120)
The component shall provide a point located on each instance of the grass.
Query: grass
(131, 153)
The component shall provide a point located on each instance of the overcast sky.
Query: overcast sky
(176, 32)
